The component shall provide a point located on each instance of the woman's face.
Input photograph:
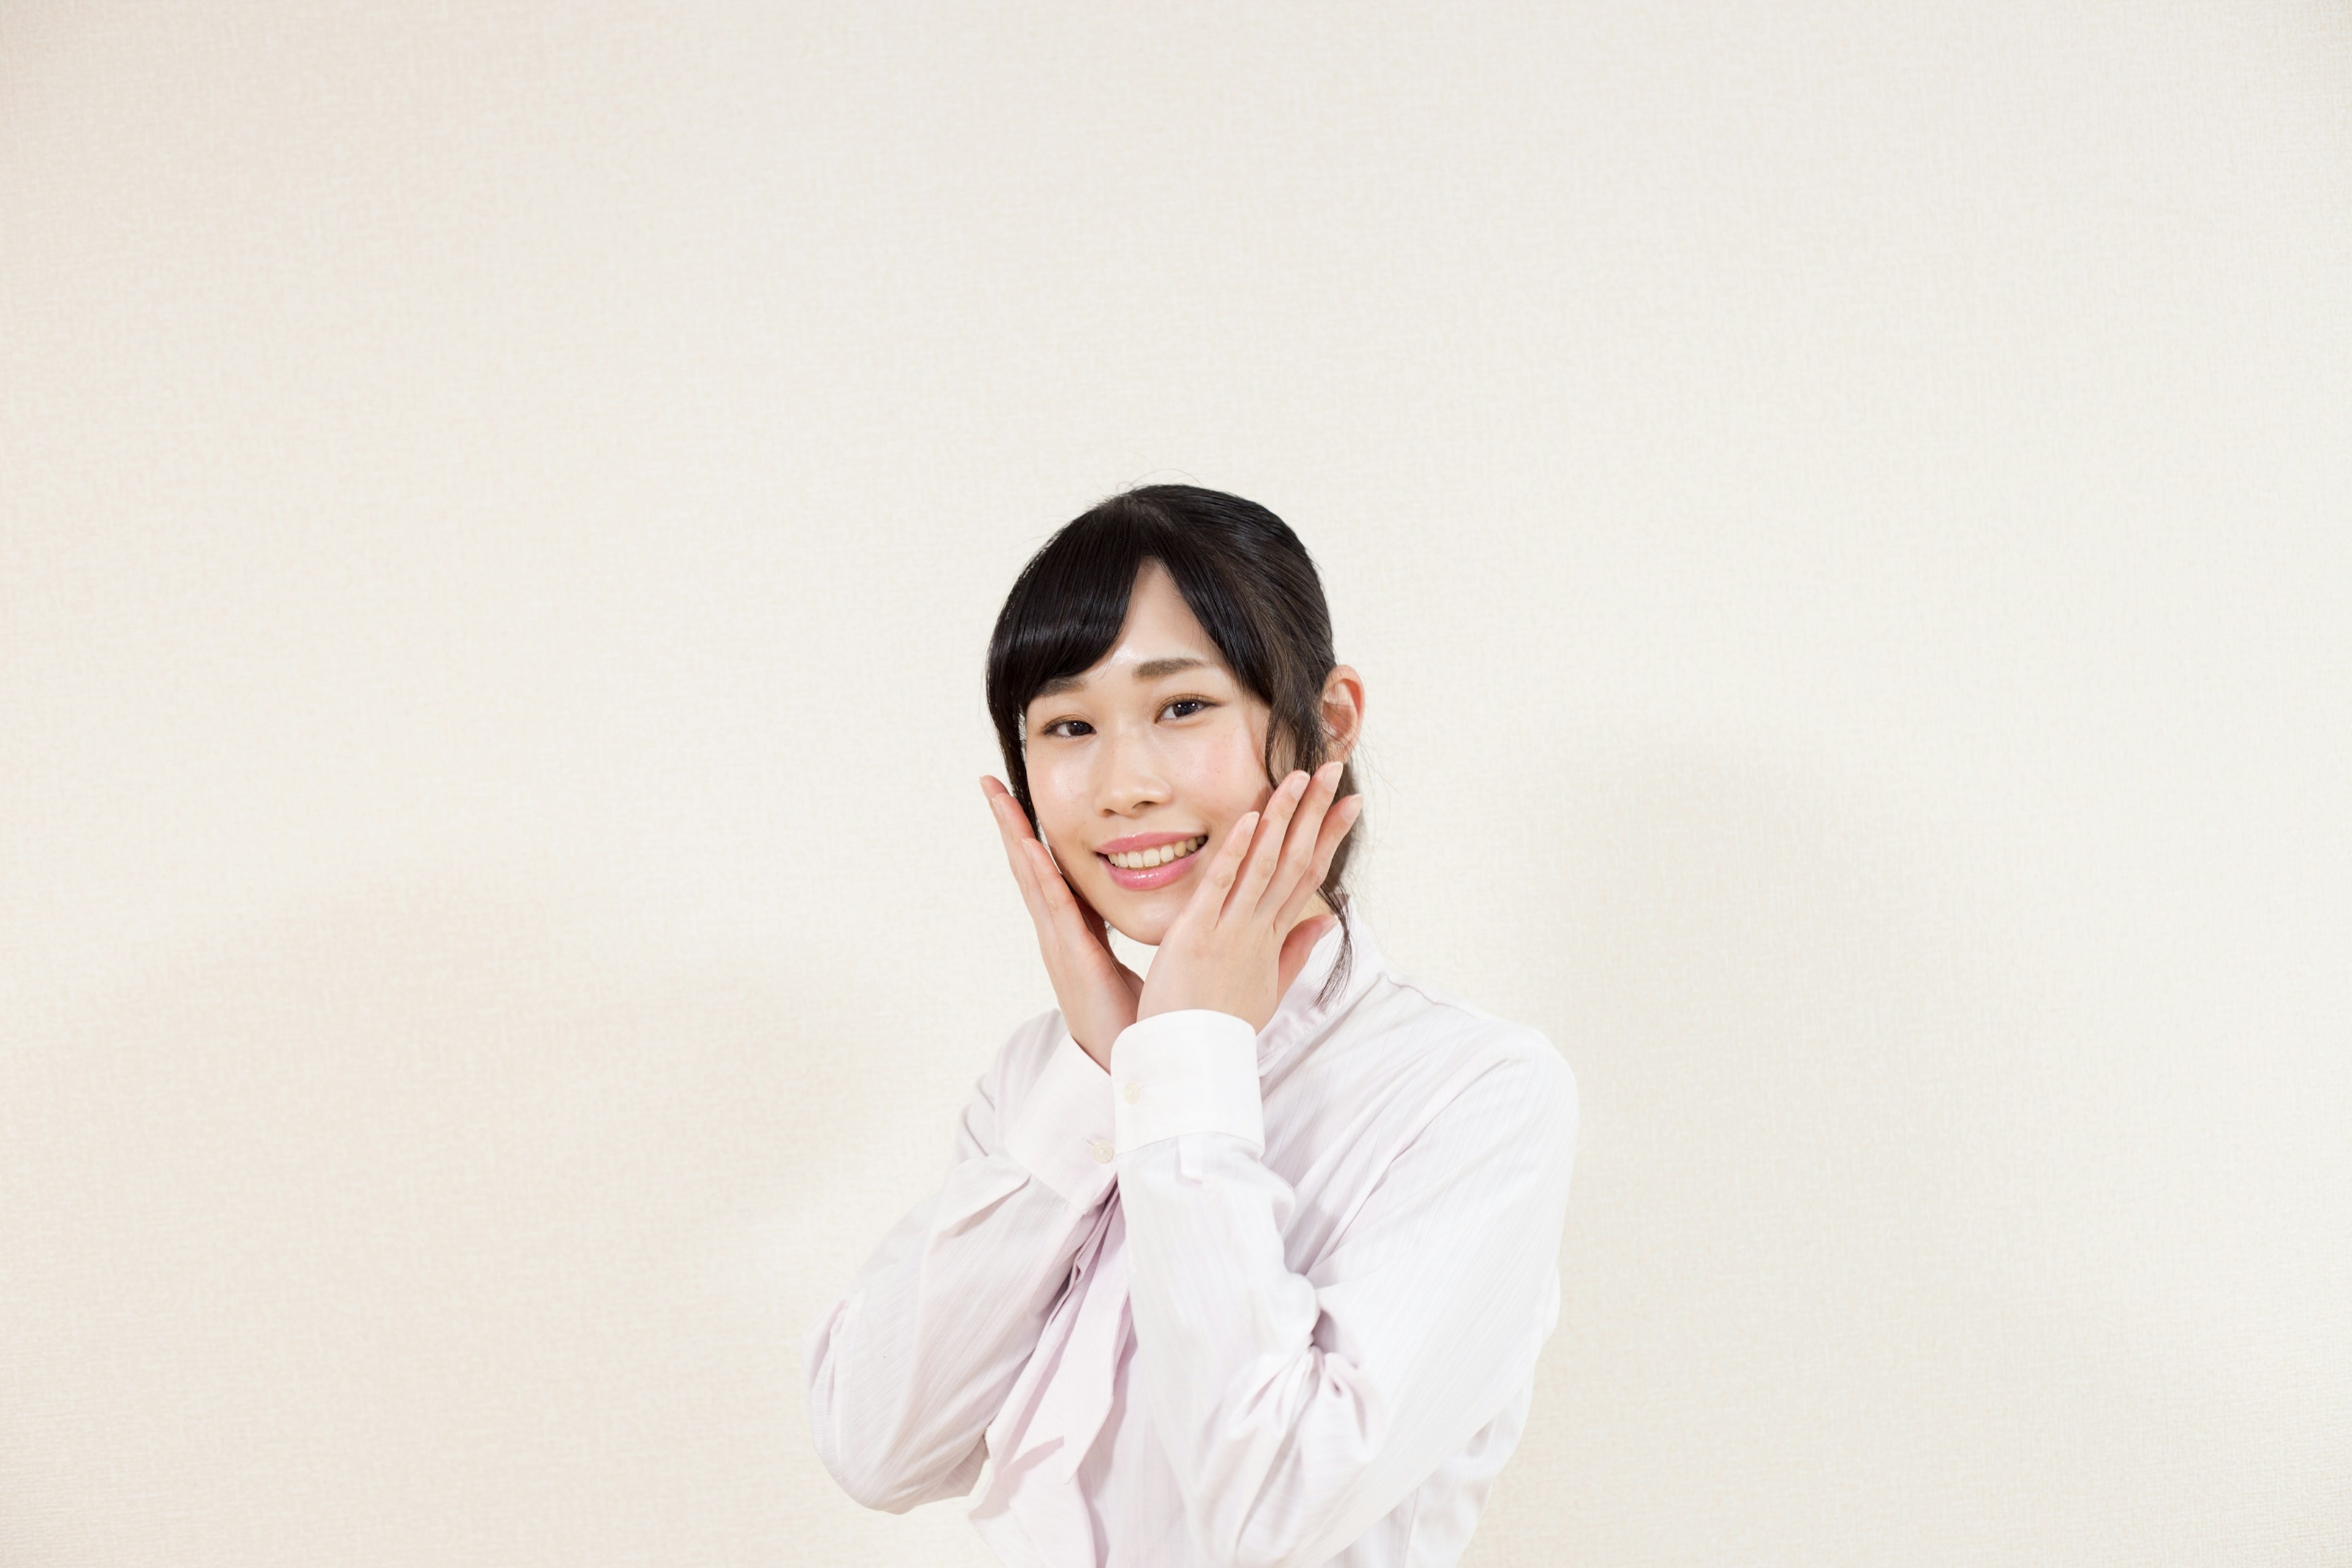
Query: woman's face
(1155, 752)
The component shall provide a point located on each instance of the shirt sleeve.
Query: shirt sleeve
(1298, 1409)
(905, 1372)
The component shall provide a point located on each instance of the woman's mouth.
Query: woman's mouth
(1142, 869)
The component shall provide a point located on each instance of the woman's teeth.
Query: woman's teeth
(1144, 859)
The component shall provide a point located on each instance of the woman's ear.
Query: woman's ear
(1343, 710)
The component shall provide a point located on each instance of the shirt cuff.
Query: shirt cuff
(1062, 1132)
(1192, 1070)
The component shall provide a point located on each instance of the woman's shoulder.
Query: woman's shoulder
(1416, 1084)
(1406, 1004)
(1428, 1042)
(1033, 1043)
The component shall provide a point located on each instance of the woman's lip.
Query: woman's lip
(1141, 841)
(1156, 877)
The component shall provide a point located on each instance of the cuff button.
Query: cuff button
(1103, 1152)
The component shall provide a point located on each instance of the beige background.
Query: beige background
(1842, 511)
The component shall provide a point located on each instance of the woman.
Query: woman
(1247, 1260)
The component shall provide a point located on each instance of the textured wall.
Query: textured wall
(1842, 511)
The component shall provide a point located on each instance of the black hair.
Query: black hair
(1247, 580)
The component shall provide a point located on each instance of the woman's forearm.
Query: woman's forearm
(1297, 1409)
(906, 1370)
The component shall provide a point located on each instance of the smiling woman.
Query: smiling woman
(1119, 748)
(1248, 1260)
(1169, 652)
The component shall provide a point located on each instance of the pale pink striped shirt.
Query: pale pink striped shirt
(1270, 1298)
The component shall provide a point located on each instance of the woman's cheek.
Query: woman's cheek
(1055, 819)
(1233, 784)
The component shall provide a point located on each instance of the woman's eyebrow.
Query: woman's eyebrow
(1150, 669)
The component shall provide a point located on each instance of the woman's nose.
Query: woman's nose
(1132, 777)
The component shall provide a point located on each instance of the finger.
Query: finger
(1208, 901)
(1266, 852)
(1096, 928)
(1052, 906)
(1070, 912)
(1100, 931)
(1067, 926)
(1052, 885)
(1337, 823)
(1012, 822)
(1007, 812)
(1051, 910)
(1299, 845)
(1297, 947)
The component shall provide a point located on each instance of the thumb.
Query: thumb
(1297, 946)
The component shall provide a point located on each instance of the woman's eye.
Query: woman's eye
(1076, 728)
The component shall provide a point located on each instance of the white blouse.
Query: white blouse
(1270, 1300)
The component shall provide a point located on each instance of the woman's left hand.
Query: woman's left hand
(1235, 947)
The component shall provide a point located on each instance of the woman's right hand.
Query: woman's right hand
(1097, 993)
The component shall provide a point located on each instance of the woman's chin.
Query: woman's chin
(1144, 927)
